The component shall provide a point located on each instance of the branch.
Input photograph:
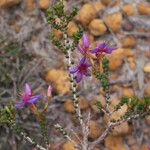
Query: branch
(66, 135)
(28, 139)
(19, 131)
(84, 127)
(107, 130)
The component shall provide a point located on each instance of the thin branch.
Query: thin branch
(19, 131)
(28, 139)
(66, 135)
(109, 127)
(86, 132)
(75, 134)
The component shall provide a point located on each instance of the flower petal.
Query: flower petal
(102, 45)
(79, 77)
(74, 69)
(87, 74)
(20, 104)
(82, 60)
(94, 50)
(85, 41)
(27, 90)
(33, 99)
(88, 64)
(110, 49)
(80, 49)
(97, 48)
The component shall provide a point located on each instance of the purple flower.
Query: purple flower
(81, 69)
(103, 48)
(85, 44)
(27, 97)
(149, 147)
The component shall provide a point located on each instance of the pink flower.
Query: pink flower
(81, 69)
(27, 97)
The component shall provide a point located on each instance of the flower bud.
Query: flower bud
(49, 91)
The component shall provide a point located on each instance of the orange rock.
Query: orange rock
(58, 34)
(95, 130)
(144, 8)
(114, 143)
(147, 90)
(114, 21)
(113, 75)
(116, 115)
(114, 88)
(135, 147)
(91, 38)
(128, 9)
(97, 149)
(122, 129)
(68, 146)
(83, 103)
(141, 29)
(128, 41)
(144, 147)
(147, 68)
(116, 59)
(132, 63)
(68, 105)
(72, 28)
(127, 92)
(148, 120)
(30, 4)
(8, 3)
(98, 6)
(115, 63)
(102, 91)
(128, 52)
(97, 27)
(86, 14)
(44, 4)
(100, 99)
(107, 2)
(59, 80)
(118, 52)
(147, 54)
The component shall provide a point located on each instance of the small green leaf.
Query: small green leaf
(98, 104)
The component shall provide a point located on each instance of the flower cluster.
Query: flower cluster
(89, 56)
